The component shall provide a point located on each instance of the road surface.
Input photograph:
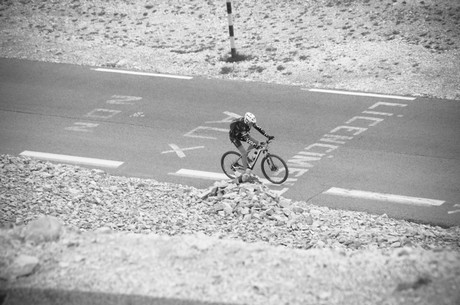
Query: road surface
(376, 153)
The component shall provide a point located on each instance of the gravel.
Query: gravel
(89, 199)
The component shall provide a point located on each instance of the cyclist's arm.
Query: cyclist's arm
(259, 129)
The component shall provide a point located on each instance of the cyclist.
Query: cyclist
(239, 131)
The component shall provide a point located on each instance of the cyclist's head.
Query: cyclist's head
(249, 118)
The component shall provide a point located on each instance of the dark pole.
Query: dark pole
(230, 29)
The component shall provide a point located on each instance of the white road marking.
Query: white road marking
(142, 73)
(361, 94)
(72, 159)
(180, 151)
(192, 134)
(383, 197)
(378, 113)
(190, 173)
(100, 113)
(454, 211)
(82, 127)
(123, 100)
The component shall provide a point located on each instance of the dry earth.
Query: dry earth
(388, 46)
(329, 256)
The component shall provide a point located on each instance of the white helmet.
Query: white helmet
(249, 118)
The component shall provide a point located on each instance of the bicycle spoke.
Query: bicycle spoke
(274, 169)
(230, 163)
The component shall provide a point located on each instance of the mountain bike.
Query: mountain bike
(273, 167)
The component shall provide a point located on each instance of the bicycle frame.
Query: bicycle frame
(263, 149)
(259, 152)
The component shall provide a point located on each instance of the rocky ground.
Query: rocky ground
(234, 243)
(387, 46)
(213, 244)
(90, 199)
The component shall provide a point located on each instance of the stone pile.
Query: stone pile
(254, 201)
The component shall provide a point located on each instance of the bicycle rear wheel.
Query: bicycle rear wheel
(230, 163)
(274, 169)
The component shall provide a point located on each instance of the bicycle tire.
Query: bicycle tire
(278, 166)
(228, 159)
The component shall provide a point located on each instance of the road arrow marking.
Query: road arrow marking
(382, 197)
(71, 159)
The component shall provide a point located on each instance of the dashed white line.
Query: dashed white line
(142, 73)
(454, 211)
(199, 174)
(361, 94)
(190, 173)
(72, 159)
(383, 197)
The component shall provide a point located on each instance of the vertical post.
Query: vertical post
(230, 28)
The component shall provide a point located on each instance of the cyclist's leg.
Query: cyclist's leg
(244, 156)
(251, 146)
(243, 153)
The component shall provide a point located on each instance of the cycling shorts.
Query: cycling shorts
(235, 141)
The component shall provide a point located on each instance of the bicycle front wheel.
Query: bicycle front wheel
(230, 163)
(274, 169)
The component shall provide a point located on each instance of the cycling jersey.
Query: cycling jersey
(239, 130)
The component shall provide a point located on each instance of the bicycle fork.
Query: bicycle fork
(271, 164)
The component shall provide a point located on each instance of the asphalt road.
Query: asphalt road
(380, 154)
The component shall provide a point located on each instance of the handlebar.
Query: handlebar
(265, 144)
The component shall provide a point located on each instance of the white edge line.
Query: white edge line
(71, 159)
(190, 173)
(142, 73)
(217, 176)
(382, 197)
(200, 174)
(361, 94)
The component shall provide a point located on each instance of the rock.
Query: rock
(308, 219)
(23, 265)
(103, 230)
(285, 203)
(121, 63)
(43, 229)
(297, 210)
